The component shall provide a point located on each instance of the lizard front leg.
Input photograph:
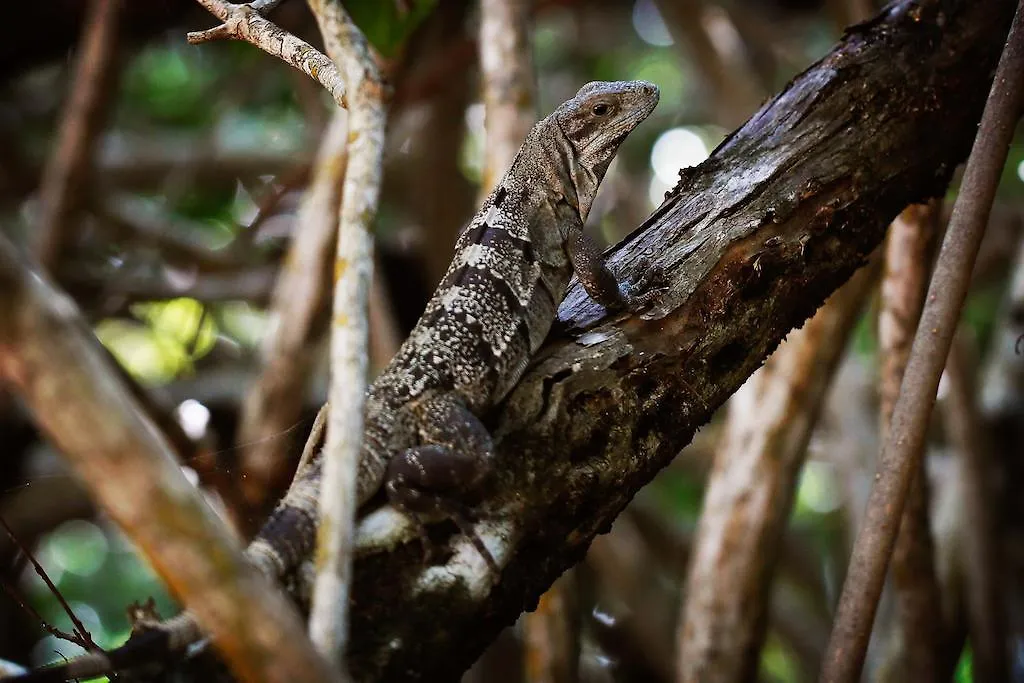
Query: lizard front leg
(432, 479)
(601, 285)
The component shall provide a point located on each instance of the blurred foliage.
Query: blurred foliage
(169, 85)
(388, 24)
(171, 335)
(964, 669)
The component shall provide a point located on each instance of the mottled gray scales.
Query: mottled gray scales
(424, 443)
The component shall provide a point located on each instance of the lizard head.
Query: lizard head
(595, 122)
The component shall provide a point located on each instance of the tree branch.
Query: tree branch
(64, 177)
(752, 242)
(353, 270)
(245, 22)
(49, 356)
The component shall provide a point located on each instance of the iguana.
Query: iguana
(424, 443)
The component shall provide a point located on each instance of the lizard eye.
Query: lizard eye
(600, 109)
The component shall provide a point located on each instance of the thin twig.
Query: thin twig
(300, 300)
(245, 22)
(80, 635)
(19, 599)
(901, 453)
(64, 177)
(349, 328)
(49, 356)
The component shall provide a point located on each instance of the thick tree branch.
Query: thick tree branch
(753, 241)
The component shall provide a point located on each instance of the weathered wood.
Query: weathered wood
(758, 236)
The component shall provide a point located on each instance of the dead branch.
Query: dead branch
(901, 454)
(245, 22)
(50, 358)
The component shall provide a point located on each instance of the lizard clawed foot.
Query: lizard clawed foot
(465, 524)
(464, 519)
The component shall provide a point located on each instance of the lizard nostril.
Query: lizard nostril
(647, 90)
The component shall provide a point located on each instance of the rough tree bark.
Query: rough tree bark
(754, 240)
